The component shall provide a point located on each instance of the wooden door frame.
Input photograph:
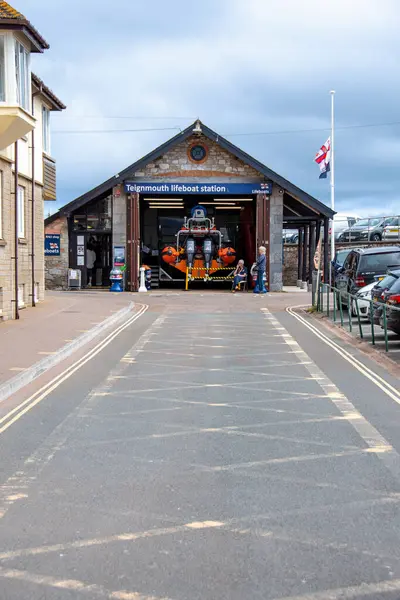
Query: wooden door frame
(133, 241)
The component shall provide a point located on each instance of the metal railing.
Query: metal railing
(374, 229)
(330, 302)
(371, 229)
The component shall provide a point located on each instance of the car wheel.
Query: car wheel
(376, 237)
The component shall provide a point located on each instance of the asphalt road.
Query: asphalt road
(216, 449)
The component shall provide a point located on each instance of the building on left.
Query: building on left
(27, 168)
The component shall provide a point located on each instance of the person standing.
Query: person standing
(90, 260)
(261, 269)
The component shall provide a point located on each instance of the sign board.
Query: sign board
(52, 244)
(119, 256)
(234, 189)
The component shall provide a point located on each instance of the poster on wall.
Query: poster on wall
(81, 251)
(52, 243)
(119, 256)
(81, 261)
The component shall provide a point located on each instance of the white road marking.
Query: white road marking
(386, 387)
(374, 440)
(16, 413)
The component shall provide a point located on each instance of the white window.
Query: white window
(22, 72)
(21, 212)
(2, 70)
(1, 205)
(46, 129)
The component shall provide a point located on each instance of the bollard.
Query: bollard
(142, 287)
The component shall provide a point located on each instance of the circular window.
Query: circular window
(198, 153)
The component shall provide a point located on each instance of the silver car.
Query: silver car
(391, 230)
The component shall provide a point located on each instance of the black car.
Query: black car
(378, 293)
(391, 298)
(338, 261)
(362, 266)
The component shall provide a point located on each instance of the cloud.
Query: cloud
(251, 66)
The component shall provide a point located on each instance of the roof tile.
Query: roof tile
(8, 12)
(9, 16)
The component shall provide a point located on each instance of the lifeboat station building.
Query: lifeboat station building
(148, 215)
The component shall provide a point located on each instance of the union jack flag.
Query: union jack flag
(323, 159)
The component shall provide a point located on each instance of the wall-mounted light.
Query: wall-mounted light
(228, 207)
(176, 206)
(159, 200)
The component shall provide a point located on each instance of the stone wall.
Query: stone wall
(290, 264)
(219, 163)
(7, 262)
(276, 224)
(56, 267)
(119, 219)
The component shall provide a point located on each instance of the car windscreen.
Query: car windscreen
(395, 288)
(341, 256)
(386, 282)
(378, 263)
(368, 222)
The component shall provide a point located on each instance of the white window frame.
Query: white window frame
(46, 129)
(21, 211)
(3, 42)
(22, 74)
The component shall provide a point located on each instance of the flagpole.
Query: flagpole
(332, 172)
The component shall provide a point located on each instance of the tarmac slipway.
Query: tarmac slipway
(215, 448)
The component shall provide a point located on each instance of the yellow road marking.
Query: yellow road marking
(25, 406)
(357, 364)
(122, 537)
(74, 585)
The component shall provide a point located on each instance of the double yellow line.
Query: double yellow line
(19, 411)
(381, 383)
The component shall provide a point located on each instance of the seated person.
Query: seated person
(239, 275)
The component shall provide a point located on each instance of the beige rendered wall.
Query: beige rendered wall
(7, 262)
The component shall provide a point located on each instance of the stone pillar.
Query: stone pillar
(276, 243)
(119, 220)
(326, 250)
(300, 257)
(305, 253)
(312, 247)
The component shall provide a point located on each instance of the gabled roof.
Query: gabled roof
(46, 92)
(10, 18)
(107, 185)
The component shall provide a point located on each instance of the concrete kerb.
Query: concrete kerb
(21, 380)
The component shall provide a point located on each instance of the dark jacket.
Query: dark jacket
(261, 263)
(242, 272)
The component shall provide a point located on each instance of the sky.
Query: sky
(258, 72)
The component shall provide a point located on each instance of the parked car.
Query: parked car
(363, 300)
(342, 223)
(382, 286)
(361, 267)
(365, 230)
(391, 231)
(391, 298)
(338, 261)
(290, 236)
